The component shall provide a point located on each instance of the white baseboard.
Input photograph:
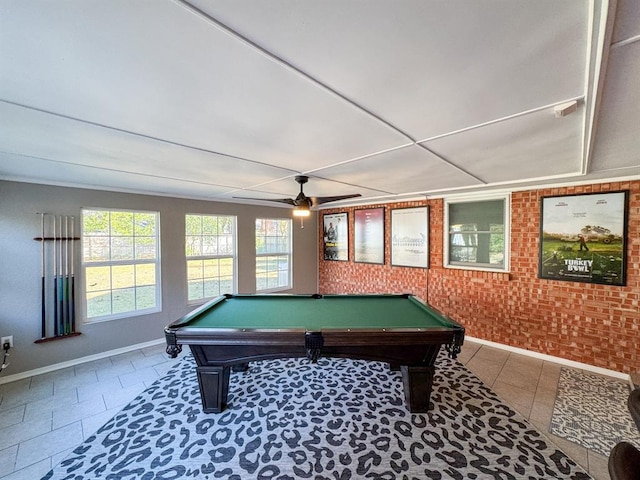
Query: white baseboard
(118, 351)
(549, 358)
(78, 361)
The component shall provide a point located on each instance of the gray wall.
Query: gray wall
(20, 267)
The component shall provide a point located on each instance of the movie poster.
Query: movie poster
(583, 238)
(410, 237)
(369, 235)
(336, 237)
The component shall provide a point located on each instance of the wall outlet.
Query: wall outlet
(8, 340)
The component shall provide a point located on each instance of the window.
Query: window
(477, 234)
(120, 262)
(210, 247)
(273, 254)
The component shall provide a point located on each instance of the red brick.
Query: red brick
(594, 324)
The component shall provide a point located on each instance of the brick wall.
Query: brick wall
(594, 324)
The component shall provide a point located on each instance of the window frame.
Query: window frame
(288, 253)
(110, 263)
(448, 201)
(234, 256)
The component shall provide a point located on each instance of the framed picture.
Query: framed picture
(369, 235)
(336, 237)
(410, 237)
(583, 238)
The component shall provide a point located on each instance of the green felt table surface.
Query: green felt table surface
(315, 314)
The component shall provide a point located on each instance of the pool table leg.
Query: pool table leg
(417, 382)
(214, 387)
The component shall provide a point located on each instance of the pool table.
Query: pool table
(233, 330)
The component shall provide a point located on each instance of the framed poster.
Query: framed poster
(410, 237)
(369, 235)
(336, 237)
(583, 238)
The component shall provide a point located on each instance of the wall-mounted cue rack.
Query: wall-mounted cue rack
(58, 277)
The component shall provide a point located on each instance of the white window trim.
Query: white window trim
(199, 301)
(83, 267)
(507, 231)
(271, 254)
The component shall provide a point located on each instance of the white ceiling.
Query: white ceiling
(391, 99)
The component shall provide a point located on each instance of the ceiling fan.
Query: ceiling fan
(302, 204)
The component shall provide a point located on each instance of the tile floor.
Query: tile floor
(44, 417)
(529, 386)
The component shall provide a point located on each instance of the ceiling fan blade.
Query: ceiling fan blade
(321, 200)
(302, 201)
(289, 201)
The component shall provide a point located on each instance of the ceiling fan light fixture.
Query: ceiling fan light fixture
(301, 211)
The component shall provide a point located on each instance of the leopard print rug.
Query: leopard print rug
(338, 419)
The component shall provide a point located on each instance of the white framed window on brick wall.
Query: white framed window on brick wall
(210, 249)
(273, 254)
(477, 232)
(120, 263)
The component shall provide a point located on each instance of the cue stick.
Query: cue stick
(43, 295)
(61, 279)
(66, 274)
(72, 289)
(55, 281)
